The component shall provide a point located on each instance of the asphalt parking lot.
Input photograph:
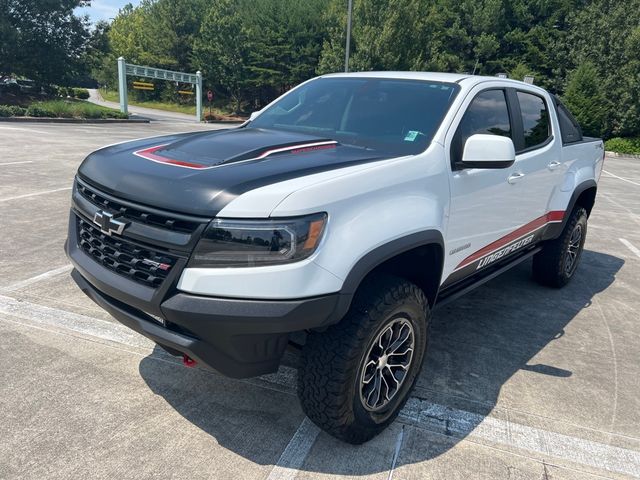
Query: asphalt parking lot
(520, 381)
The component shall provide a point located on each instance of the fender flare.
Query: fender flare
(554, 231)
(376, 257)
(579, 190)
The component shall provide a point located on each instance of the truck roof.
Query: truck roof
(467, 79)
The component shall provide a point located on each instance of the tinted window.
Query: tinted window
(488, 114)
(398, 117)
(535, 119)
(569, 128)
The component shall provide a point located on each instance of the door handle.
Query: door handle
(514, 177)
(553, 165)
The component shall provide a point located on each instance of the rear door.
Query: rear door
(538, 150)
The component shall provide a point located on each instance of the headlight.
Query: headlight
(253, 243)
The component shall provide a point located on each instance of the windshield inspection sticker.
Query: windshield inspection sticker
(411, 136)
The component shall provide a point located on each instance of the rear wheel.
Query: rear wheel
(356, 376)
(556, 264)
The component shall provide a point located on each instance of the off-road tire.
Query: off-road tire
(330, 373)
(550, 266)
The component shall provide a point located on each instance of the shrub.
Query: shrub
(18, 111)
(39, 111)
(81, 93)
(12, 111)
(623, 145)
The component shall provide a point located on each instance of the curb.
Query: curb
(616, 154)
(73, 120)
(232, 122)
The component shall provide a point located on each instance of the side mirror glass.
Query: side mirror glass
(488, 151)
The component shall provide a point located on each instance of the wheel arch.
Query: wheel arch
(418, 257)
(587, 197)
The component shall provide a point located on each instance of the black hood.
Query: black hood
(199, 173)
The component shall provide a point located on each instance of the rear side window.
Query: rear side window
(569, 128)
(535, 119)
(488, 113)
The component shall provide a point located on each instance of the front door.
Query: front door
(490, 209)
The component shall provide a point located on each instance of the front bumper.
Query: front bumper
(236, 337)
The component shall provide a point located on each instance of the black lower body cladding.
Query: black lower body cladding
(236, 337)
(227, 336)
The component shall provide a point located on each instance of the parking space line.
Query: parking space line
(296, 452)
(418, 412)
(54, 317)
(18, 197)
(630, 246)
(635, 217)
(30, 130)
(460, 424)
(620, 178)
(38, 278)
(16, 163)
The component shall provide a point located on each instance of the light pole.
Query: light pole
(346, 53)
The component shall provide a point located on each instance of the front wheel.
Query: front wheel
(355, 377)
(555, 265)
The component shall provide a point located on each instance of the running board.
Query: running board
(455, 291)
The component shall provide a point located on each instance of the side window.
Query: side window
(535, 119)
(569, 128)
(488, 113)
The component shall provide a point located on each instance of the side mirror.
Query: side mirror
(488, 151)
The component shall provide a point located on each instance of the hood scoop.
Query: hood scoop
(214, 150)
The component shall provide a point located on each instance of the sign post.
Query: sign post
(125, 69)
(122, 85)
(210, 97)
(199, 95)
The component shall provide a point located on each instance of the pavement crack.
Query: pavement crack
(396, 453)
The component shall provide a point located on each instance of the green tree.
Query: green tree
(606, 32)
(42, 39)
(222, 49)
(585, 99)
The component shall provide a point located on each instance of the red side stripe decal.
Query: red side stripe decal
(550, 217)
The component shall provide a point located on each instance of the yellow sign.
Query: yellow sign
(143, 86)
(185, 92)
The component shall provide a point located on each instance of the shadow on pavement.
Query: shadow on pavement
(477, 344)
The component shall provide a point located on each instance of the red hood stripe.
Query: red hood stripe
(149, 154)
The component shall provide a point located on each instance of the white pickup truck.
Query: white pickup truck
(334, 221)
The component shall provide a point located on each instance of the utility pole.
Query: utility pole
(348, 47)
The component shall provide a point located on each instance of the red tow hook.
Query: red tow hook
(188, 361)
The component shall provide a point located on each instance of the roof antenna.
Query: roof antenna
(475, 66)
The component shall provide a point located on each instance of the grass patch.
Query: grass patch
(629, 146)
(61, 109)
(112, 96)
(219, 109)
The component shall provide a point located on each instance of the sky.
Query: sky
(104, 9)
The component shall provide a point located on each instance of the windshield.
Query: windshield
(397, 117)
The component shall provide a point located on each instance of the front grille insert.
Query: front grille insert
(140, 264)
(165, 221)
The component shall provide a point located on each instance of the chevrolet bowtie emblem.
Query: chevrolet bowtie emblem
(108, 224)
